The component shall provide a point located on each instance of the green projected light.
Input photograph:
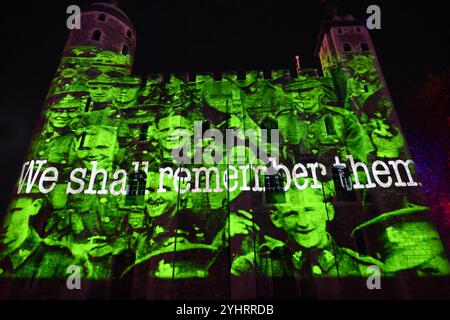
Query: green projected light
(124, 205)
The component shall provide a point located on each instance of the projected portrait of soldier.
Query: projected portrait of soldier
(63, 114)
(127, 92)
(101, 89)
(326, 130)
(364, 82)
(158, 203)
(183, 240)
(23, 253)
(96, 143)
(173, 131)
(310, 249)
(70, 78)
(177, 93)
(187, 237)
(192, 244)
(151, 94)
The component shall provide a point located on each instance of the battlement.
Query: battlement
(284, 75)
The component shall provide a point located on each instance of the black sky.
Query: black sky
(205, 35)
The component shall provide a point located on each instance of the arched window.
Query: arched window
(136, 188)
(274, 188)
(358, 29)
(82, 140)
(340, 30)
(343, 185)
(129, 33)
(101, 17)
(88, 104)
(143, 133)
(96, 35)
(329, 124)
(347, 47)
(364, 47)
(125, 49)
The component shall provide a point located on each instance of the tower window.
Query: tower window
(343, 185)
(125, 49)
(329, 124)
(129, 33)
(143, 133)
(364, 47)
(339, 30)
(82, 140)
(136, 188)
(88, 104)
(347, 47)
(274, 188)
(96, 35)
(358, 29)
(101, 17)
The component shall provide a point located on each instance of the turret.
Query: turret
(106, 27)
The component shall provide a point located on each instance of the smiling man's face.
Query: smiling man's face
(16, 223)
(100, 92)
(158, 203)
(99, 145)
(62, 117)
(304, 217)
(172, 130)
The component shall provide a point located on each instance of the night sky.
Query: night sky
(207, 35)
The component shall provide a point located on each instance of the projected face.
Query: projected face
(172, 130)
(16, 223)
(158, 203)
(311, 99)
(304, 217)
(136, 219)
(100, 92)
(128, 94)
(99, 145)
(60, 117)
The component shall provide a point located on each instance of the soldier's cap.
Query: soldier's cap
(306, 84)
(67, 100)
(139, 111)
(122, 81)
(410, 212)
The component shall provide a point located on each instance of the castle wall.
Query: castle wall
(163, 187)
